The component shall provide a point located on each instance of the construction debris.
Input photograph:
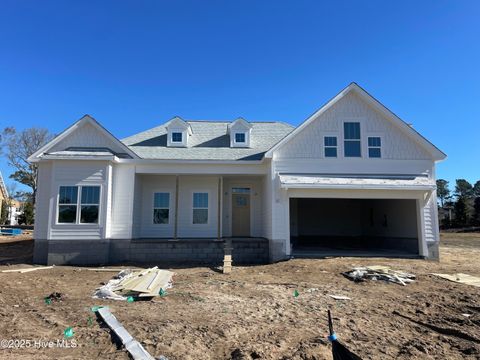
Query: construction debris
(378, 272)
(28, 269)
(339, 297)
(135, 349)
(126, 284)
(461, 278)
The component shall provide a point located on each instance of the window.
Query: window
(177, 137)
(374, 147)
(352, 144)
(161, 208)
(89, 205)
(69, 206)
(200, 208)
(330, 144)
(240, 137)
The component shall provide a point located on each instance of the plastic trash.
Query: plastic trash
(296, 293)
(162, 292)
(68, 332)
(95, 308)
(47, 300)
(130, 299)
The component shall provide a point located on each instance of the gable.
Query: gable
(86, 135)
(399, 141)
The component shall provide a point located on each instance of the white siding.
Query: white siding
(122, 201)
(430, 221)
(87, 136)
(150, 185)
(43, 200)
(79, 173)
(187, 186)
(309, 142)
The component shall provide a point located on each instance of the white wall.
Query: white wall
(309, 142)
(123, 195)
(68, 173)
(43, 201)
(187, 186)
(151, 184)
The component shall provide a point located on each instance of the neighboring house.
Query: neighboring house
(352, 179)
(15, 209)
(4, 197)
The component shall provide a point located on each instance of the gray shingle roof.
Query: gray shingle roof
(210, 141)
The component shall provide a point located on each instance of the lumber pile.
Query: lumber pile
(146, 283)
(378, 272)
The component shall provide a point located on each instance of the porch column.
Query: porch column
(220, 207)
(175, 227)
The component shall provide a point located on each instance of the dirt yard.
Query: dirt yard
(252, 313)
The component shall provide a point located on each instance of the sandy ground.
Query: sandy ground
(252, 313)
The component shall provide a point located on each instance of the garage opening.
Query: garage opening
(376, 227)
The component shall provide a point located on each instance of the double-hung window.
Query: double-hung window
(200, 208)
(374, 147)
(330, 146)
(74, 209)
(352, 141)
(161, 207)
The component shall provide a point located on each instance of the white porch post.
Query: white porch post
(175, 227)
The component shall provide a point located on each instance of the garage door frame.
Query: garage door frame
(421, 197)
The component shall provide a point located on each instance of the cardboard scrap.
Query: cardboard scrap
(461, 278)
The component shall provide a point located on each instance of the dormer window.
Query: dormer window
(240, 138)
(178, 132)
(177, 137)
(240, 131)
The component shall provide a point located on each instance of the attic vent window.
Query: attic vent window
(240, 138)
(177, 137)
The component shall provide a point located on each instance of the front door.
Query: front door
(240, 212)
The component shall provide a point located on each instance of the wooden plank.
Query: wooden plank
(29, 269)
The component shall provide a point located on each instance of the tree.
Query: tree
(463, 189)
(443, 192)
(460, 210)
(19, 146)
(476, 209)
(26, 216)
(476, 189)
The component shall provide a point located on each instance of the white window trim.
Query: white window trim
(369, 135)
(79, 205)
(338, 147)
(170, 198)
(362, 138)
(176, 141)
(208, 208)
(235, 137)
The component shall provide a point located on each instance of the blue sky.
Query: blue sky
(135, 64)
